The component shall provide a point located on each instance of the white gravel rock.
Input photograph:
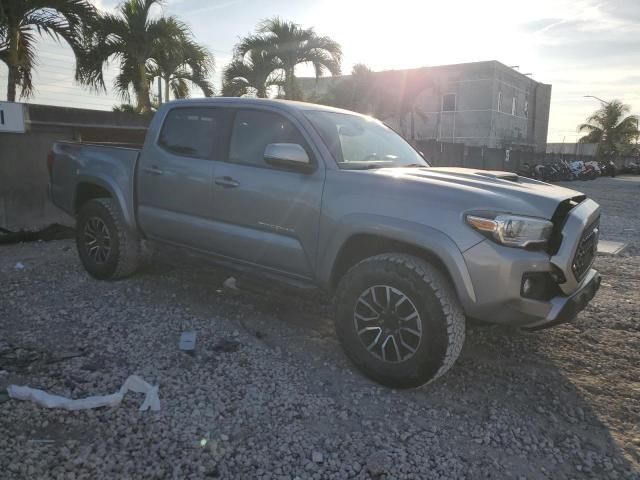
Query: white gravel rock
(269, 393)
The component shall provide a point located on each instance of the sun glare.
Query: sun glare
(405, 34)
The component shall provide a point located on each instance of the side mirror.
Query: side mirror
(287, 155)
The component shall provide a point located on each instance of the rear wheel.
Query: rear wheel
(107, 248)
(399, 320)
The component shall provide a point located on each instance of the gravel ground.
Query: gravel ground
(269, 394)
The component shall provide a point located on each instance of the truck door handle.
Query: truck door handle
(153, 170)
(226, 182)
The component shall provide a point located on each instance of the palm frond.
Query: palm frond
(291, 45)
(58, 19)
(236, 87)
(610, 127)
(176, 56)
(26, 62)
(254, 73)
(587, 127)
(179, 87)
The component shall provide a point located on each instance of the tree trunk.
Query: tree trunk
(166, 89)
(289, 80)
(142, 90)
(11, 84)
(13, 74)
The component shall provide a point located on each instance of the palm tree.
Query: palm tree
(252, 74)
(179, 61)
(132, 37)
(124, 107)
(398, 94)
(353, 92)
(21, 20)
(610, 127)
(292, 45)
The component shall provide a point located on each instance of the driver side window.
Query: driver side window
(253, 130)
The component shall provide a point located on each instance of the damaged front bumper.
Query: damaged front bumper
(565, 309)
(497, 274)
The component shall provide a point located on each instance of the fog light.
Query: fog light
(539, 286)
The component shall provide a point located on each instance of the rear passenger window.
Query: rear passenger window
(195, 132)
(253, 130)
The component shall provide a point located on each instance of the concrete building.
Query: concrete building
(478, 104)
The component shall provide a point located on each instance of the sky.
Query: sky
(581, 47)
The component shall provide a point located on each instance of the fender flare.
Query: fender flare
(117, 193)
(417, 235)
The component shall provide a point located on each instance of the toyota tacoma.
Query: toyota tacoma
(317, 196)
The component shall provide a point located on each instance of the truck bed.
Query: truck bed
(110, 166)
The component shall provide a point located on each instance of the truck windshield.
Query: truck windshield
(359, 143)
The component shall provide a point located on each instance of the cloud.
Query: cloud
(625, 10)
(630, 80)
(540, 25)
(106, 5)
(209, 8)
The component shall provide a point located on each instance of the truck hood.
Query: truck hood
(505, 191)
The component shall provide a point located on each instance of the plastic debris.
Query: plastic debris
(19, 266)
(47, 400)
(230, 283)
(188, 342)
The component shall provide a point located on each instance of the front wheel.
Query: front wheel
(399, 320)
(107, 248)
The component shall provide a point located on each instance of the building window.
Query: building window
(526, 109)
(499, 107)
(513, 106)
(449, 102)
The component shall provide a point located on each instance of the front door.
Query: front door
(175, 175)
(267, 215)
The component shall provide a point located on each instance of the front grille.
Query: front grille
(586, 251)
(558, 219)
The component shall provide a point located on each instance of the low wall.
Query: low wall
(23, 180)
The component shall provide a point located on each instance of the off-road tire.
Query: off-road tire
(443, 321)
(125, 254)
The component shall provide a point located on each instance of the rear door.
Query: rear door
(175, 175)
(266, 215)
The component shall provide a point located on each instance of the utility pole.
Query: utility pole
(159, 91)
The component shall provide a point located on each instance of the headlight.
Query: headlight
(512, 230)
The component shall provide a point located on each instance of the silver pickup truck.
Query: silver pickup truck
(312, 195)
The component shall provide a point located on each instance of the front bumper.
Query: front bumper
(565, 309)
(496, 273)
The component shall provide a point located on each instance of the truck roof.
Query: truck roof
(281, 104)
